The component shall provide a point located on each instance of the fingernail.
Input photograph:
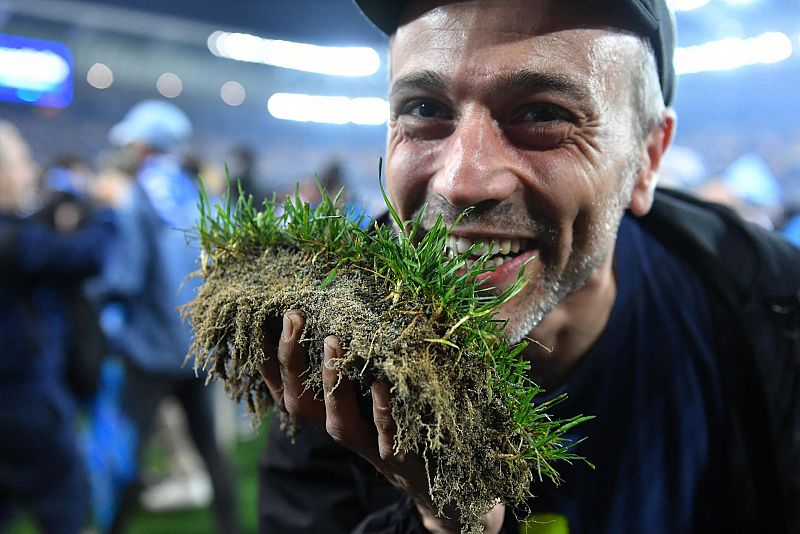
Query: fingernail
(288, 327)
(329, 360)
(330, 363)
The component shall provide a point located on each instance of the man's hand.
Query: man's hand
(338, 412)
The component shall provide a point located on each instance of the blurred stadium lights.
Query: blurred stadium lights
(691, 5)
(333, 60)
(169, 85)
(34, 71)
(328, 109)
(100, 76)
(232, 93)
(732, 53)
(687, 5)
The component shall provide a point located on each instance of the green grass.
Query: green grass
(245, 457)
(413, 263)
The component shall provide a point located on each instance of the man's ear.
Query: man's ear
(655, 146)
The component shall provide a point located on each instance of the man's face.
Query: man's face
(523, 111)
(17, 171)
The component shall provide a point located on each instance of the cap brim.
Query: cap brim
(385, 15)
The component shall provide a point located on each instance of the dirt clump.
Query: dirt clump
(406, 313)
(440, 401)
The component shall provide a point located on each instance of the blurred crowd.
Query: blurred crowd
(747, 184)
(95, 259)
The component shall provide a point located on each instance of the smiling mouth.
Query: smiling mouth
(500, 250)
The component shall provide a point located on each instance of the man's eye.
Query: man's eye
(544, 113)
(427, 109)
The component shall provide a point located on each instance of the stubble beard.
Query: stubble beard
(553, 287)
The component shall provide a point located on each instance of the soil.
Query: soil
(441, 404)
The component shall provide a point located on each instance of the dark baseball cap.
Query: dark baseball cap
(656, 23)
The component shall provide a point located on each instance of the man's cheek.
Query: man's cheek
(407, 177)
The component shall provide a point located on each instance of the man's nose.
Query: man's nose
(477, 163)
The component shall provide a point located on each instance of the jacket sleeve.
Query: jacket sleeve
(29, 248)
(125, 271)
(754, 278)
(400, 517)
(315, 486)
(311, 485)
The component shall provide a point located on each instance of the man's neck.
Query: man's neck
(567, 333)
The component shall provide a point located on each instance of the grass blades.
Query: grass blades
(414, 265)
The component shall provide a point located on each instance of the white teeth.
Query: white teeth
(481, 250)
(459, 245)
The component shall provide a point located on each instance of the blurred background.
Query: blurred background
(251, 77)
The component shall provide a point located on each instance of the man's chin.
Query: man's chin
(519, 325)
(526, 310)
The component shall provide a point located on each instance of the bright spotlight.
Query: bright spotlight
(732, 53)
(686, 5)
(232, 93)
(328, 109)
(35, 70)
(333, 60)
(169, 85)
(100, 76)
(369, 111)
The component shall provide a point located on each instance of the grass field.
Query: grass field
(245, 457)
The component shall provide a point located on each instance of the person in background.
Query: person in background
(748, 187)
(671, 320)
(42, 262)
(241, 166)
(145, 284)
(331, 180)
(791, 228)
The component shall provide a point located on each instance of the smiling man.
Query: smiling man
(550, 118)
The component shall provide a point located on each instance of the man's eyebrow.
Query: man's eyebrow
(528, 81)
(531, 81)
(425, 79)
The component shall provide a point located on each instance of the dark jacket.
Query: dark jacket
(37, 268)
(753, 279)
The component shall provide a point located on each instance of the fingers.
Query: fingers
(384, 422)
(284, 371)
(338, 412)
(293, 364)
(343, 421)
(270, 369)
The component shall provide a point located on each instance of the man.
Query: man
(550, 119)
(145, 283)
(41, 265)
